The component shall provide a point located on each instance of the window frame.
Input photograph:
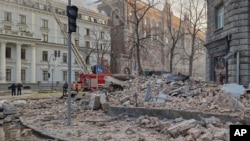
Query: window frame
(8, 53)
(45, 75)
(45, 37)
(219, 17)
(77, 43)
(87, 44)
(22, 19)
(45, 56)
(77, 76)
(45, 23)
(23, 75)
(65, 58)
(23, 54)
(8, 16)
(8, 75)
(87, 32)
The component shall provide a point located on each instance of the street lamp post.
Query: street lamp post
(54, 55)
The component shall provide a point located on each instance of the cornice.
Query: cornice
(23, 7)
(10, 38)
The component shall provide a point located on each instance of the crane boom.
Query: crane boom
(75, 50)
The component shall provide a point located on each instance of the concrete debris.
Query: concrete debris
(19, 102)
(189, 95)
(95, 103)
(149, 122)
(234, 89)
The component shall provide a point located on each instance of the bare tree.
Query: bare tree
(138, 38)
(194, 23)
(101, 46)
(174, 31)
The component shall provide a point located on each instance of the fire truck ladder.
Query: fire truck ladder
(75, 50)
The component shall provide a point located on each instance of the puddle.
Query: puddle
(17, 132)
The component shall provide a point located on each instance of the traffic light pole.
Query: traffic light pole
(69, 75)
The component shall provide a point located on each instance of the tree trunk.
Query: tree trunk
(191, 58)
(190, 70)
(171, 59)
(140, 71)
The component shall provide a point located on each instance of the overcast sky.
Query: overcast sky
(83, 3)
(90, 4)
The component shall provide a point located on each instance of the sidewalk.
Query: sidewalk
(30, 96)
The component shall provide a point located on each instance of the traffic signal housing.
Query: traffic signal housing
(55, 53)
(72, 16)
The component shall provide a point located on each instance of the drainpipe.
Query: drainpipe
(229, 36)
(238, 68)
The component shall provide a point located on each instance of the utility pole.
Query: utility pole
(69, 74)
(72, 16)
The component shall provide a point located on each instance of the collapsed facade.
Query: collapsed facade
(228, 40)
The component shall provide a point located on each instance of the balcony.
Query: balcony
(44, 29)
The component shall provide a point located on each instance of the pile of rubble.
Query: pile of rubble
(188, 130)
(156, 92)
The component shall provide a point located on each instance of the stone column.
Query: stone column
(33, 64)
(3, 63)
(18, 63)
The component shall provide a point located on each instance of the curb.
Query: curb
(172, 114)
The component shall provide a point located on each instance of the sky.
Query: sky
(83, 3)
(90, 4)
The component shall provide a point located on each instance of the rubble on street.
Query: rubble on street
(91, 123)
(49, 117)
(192, 95)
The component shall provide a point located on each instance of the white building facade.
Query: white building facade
(29, 36)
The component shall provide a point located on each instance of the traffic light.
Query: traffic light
(72, 16)
(55, 53)
(58, 55)
(48, 75)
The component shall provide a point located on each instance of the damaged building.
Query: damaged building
(228, 40)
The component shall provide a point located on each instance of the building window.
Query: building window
(45, 37)
(76, 61)
(76, 76)
(7, 16)
(77, 43)
(102, 34)
(220, 17)
(45, 56)
(101, 46)
(87, 32)
(45, 23)
(87, 44)
(8, 52)
(23, 75)
(45, 75)
(8, 74)
(65, 41)
(22, 19)
(23, 55)
(64, 75)
(64, 57)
